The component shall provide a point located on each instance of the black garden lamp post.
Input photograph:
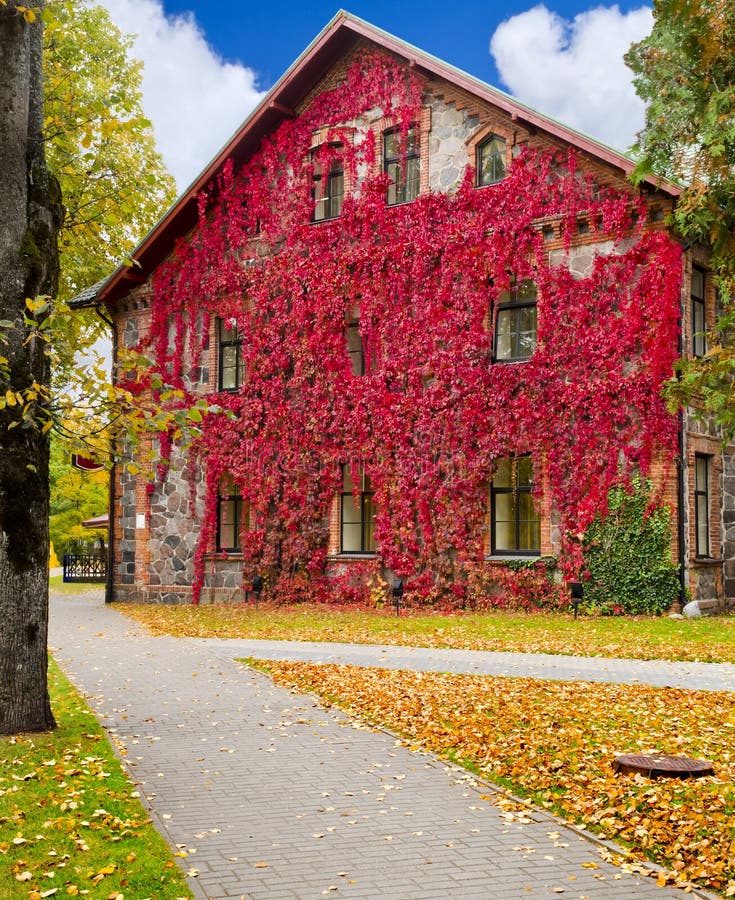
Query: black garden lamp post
(257, 587)
(397, 591)
(577, 590)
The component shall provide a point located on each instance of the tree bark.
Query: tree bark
(30, 211)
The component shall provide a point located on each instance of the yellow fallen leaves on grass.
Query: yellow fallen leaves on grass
(556, 741)
(71, 823)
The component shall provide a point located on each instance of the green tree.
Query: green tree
(30, 215)
(685, 71)
(75, 497)
(100, 146)
(115, 188)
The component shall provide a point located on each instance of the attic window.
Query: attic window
(491, 161)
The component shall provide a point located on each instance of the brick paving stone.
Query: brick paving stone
(240, 771)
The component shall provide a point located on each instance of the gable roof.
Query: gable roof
(336, 39)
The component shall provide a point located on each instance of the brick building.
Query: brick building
(463, 132)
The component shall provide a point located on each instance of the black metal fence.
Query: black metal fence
(79, 567)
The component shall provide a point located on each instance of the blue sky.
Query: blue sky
(269, 38)
(207, 65)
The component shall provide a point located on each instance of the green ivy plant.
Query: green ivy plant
(628, 555)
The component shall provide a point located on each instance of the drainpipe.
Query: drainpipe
(681, 468)
(681, 465)
(110, 581)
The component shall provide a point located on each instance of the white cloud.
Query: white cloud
(193, 97)
(574, 71)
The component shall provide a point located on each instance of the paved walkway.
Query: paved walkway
(660, 673)
(275, 797)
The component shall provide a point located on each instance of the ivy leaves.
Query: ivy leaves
(433, 412)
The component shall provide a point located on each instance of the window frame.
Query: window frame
(704, 494)
(698, 311)
(328, 196)
(400, 185)
(238, 523)
(356, 353)
(515, 490)
(367, 519)
(479, 169)
(515, 307)
(239, 367)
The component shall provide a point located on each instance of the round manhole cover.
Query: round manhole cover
(662, 766)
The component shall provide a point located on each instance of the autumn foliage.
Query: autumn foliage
(433, 412)
(555, 742)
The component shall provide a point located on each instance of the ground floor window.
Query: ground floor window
(702, 503)
(231, 522)
(514, 522)
(357, 514)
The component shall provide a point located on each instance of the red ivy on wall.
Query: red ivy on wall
(432, 412)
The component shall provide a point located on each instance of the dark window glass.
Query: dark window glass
(231, 371)
(699, 320)
(329, 192)
(402, 168)
(515, 523)
(357, 515)
(354, 348)
(516, 324)
(491, 161)
(230, 523)
(702, 503)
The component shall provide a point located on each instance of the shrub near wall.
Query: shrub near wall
(628, 555)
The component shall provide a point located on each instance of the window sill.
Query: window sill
(706, 560)
(513, 557)
(224, 555)
(352, 555)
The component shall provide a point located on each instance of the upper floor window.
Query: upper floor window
(491, 161)
(230, 365)
(401, 162)
(357, 514)
(231, 519)
(515, 327)
(328, 191)
(354, 347)
(699, 318)
(514, 522)
(702, 503)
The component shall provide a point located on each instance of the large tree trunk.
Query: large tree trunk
(29, 218)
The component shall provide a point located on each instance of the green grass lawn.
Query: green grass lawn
(71, 822)
(706, 639)
(56, 584)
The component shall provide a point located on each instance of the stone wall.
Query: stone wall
(155, 554)
(448, 154)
